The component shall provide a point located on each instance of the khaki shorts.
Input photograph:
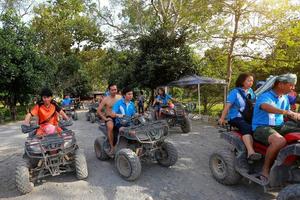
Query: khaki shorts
(262, 133)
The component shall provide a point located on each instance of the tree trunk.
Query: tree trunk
(237, 16)
(12, 107)
(205, 103)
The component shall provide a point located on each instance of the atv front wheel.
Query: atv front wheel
(88, 116)
(186, 125)
(99, 148)
(75, 116)
(221, 164)
(291, 192)
(128, 164)
(93, 117)
(80, 165)
(23, 183)
(167, 155)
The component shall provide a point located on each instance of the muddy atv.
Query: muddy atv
(91, 115)
(177, 116)
(50, 155)
(140, 141)
(229, 165)
(70, 111)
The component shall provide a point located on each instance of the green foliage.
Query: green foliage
(118, 67)
(163, 58)
(68, 34)
(22, 69)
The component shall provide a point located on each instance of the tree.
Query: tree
(66, 32)
(140, 17)
(22, 69)
(246, 24)
(162, 58)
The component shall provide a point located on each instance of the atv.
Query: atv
(91, 115)
(176, 116)
(49, 155)
(70, 111)
(229, 165)
(140, 141)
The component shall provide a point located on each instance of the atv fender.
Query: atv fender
(293, 149)
(233, 140)
(281, 170)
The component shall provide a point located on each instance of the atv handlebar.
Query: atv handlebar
(28, 129)
(65, 123)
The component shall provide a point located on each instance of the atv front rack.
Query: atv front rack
(146, 133)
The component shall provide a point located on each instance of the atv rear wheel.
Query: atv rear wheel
(221, 164)
(186, 126)
(167, 155)
(22, 176)
(80, 165)
(93, 117)
(99, 148)
(128, 164)
(291, 192)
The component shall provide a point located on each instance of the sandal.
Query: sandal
(264, 179)
(254, 156)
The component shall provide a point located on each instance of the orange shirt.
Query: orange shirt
(44, 113)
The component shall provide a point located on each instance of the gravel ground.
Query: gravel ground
(189, 179)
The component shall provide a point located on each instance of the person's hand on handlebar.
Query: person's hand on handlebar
(119, 115)
(222, 122)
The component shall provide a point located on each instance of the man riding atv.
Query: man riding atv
(107, 104)
(268, 121)
(122, 107)
(135, 140)
(276, 140)
(47, 112)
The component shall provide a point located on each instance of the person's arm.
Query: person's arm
(63, 114)
(99, 110)
(271, 109)
(27, 119)
(232, 97)
(115, 111)
(224, 113)
(28, 116)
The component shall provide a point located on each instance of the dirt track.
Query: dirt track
(189, 179)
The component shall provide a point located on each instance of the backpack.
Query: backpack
(247, 113)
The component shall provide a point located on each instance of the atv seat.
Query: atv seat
(258, 146)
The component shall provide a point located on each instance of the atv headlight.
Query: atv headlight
(33, 147)
(156, 134)
(67, 143)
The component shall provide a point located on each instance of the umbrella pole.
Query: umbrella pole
(225, 95)
(199, 102)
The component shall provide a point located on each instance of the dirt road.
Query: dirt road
(189, 179)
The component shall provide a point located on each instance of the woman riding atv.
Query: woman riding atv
(161, 100)
(235, 107)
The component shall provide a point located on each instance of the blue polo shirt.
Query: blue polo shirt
(66, 102)
(164, 99)
(120, 107)
(237, 101)
(263, 118)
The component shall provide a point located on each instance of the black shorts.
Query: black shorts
(112, 119)
(244, 127)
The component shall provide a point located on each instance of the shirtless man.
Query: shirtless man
(107, 103)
